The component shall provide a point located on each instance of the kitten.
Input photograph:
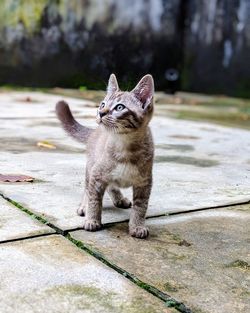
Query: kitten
(120, 153)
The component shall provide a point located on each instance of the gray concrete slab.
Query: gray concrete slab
(200, 258)
(28, 105)
(50, 274)
(16, 224)
(197, 164)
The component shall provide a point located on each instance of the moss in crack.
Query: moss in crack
(151, 289)
(19, 206)
(32, 215)
(169, 301)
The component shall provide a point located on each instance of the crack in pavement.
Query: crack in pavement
(26, 238)
(33, 215)
(107, 225)
(169, 301)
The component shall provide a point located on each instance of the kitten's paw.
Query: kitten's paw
(124, 203)
(81, 211)
(139, 232)
(92, 225)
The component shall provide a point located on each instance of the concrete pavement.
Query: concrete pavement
(197, 256)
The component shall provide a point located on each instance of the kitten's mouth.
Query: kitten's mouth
(103, 121)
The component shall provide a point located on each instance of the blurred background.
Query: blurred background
(190, 45)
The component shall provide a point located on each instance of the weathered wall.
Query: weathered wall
(74, 42)
(217, 47)
(79, 42)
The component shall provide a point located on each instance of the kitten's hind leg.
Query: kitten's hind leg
(118, 199)
(84, 204)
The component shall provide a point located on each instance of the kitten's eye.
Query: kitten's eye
(102, 105)
(119, 107)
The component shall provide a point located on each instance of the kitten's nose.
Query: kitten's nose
(102, 113)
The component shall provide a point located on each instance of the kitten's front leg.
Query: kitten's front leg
(95, 191)
(141, 195)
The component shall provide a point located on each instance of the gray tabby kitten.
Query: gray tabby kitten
(120, 153)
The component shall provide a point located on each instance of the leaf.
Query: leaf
(46, 144)
(15, 178)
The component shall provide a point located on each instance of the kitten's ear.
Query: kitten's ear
(144, 90)
(112, 84)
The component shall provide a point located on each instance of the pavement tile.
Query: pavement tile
(49, 274)
(200, 258)
(15, 224)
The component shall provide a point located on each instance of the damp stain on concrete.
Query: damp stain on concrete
(23, 145)
(185, 137)
(172, 286)
(86, 296)
(185, 160)
(37, 123)
(181, 148)
(44, 123)
(96, 299)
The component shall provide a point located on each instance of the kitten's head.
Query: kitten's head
(126, 112)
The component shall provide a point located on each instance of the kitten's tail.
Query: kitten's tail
(70, 125)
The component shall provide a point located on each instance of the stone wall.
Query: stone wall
(192, 44)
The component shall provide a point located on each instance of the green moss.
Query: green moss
(176, 237)
(85, 296)
(177, 305)
(170, 303)
(28, 12)
(32, 215)
(134, 306)
(169, 287)
(177, 257)
(245, 294)
(240, 264)
(93, 297)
